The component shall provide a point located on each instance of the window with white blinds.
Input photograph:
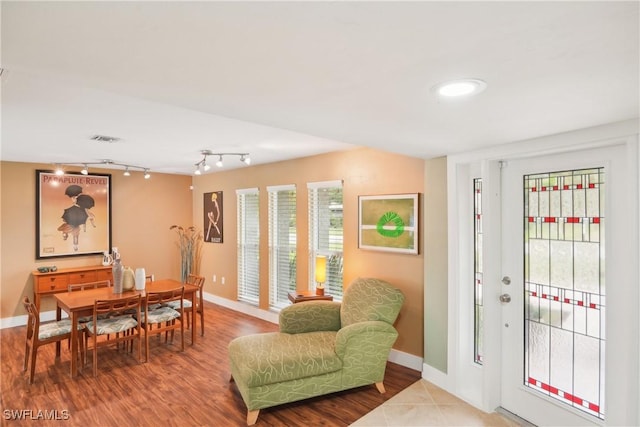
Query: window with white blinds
(325, 233)
(282, 244)
(248, 245)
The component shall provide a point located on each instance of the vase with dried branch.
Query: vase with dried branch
(190, 243)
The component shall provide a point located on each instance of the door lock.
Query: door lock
(505, 298)
(506, 280)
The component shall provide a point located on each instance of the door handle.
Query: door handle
(505, 298)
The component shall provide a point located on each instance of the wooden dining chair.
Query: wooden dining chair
(199, 300)
(164, 319)
(89, 285)
(123, 326)
(39, 334)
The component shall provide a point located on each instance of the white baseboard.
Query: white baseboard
(11, 322)
(269, 316)
(405, 359)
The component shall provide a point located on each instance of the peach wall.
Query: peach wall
(142, 212)
(364, 172)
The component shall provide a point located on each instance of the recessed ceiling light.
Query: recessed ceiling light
(462, 87)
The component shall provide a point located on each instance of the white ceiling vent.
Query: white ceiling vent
(104, 138)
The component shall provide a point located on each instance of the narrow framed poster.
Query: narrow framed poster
(388, 223)
(73, 214)
(213, 223)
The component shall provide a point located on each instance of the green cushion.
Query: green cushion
(274, 357)
(310, 316)
(370, 299)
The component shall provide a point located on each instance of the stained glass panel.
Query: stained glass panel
(564, 287)
(477, 286)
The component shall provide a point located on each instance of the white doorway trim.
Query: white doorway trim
(477, 384)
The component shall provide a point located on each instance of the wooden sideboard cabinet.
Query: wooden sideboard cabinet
(58, 281)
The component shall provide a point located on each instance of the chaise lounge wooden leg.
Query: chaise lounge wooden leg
(380, 387)
(252, 417)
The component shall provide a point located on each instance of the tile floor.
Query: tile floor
(424, 404)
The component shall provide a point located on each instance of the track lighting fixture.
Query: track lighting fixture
(203, 166)
(106, 162)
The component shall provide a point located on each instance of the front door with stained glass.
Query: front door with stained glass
(553, 330)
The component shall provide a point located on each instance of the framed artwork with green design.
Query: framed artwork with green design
(388, 223)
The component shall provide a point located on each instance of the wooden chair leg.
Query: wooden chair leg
(32, 368)
(26, 356)
(146, 343)
(252, 417)
(95, 356)
(201, 320)
(380, 387)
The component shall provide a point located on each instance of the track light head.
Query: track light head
(219, 162)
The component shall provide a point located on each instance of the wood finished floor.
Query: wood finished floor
(173, 389)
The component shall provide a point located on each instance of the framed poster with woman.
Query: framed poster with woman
(213, 217)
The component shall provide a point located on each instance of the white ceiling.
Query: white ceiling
(282, 80)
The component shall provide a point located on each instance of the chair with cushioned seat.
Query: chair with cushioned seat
(164, 318)
(39, 334)
(124, 326)
(322, 347)
(199, 300)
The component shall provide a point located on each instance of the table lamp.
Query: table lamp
(321, 273)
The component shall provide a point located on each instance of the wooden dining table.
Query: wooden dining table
(80, 303)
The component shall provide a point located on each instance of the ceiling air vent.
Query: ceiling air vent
(104, 138)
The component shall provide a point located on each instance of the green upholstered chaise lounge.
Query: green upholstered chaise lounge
(322, 347)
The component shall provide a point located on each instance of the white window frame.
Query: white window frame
(334, 284)
(248, 247)
(282, 243)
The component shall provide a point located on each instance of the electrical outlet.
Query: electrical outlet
(214, 278)
(222, 280)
